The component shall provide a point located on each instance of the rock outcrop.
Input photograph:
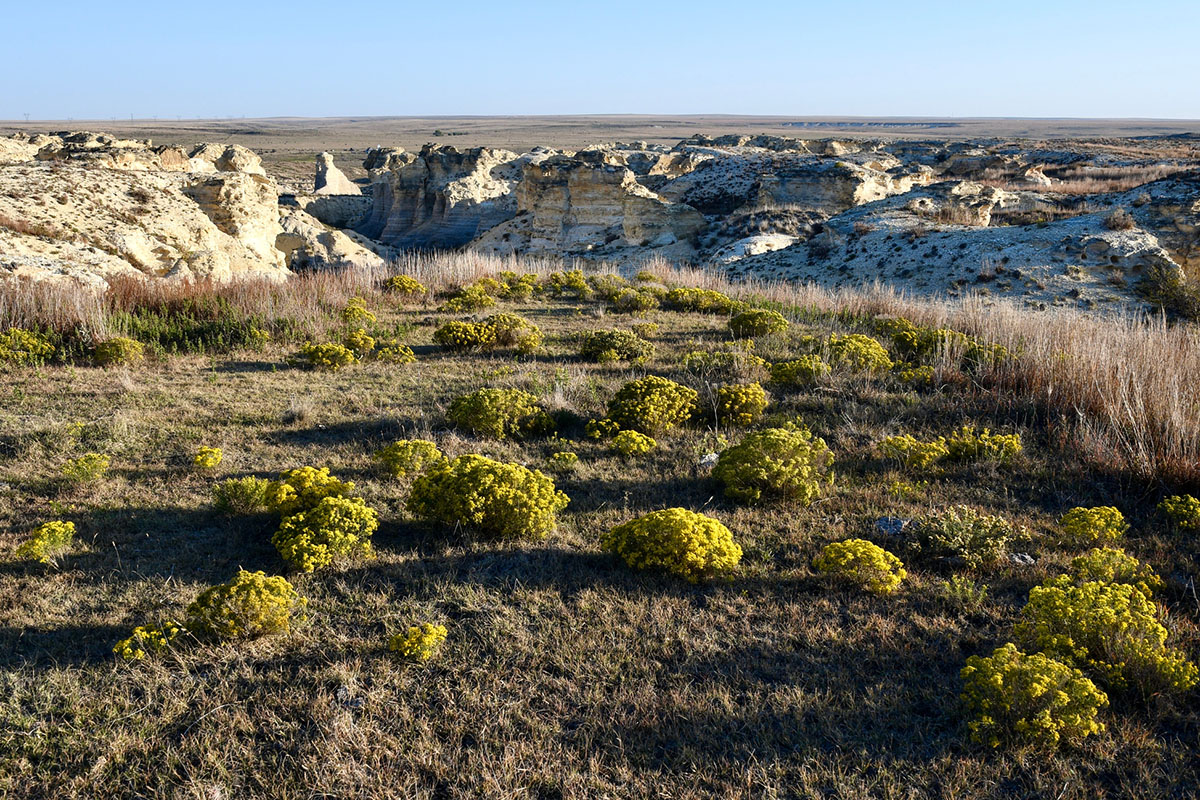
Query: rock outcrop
(331, 180)
(307, 244)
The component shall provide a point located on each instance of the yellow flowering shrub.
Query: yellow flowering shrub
(633, 301)
(963, 533)
(912, 452)
(863, 564)
(802, 371)
(257, 338)
(921, 343)
(1182, 510)
(88, 468)
(1111, 565)
(858, 353)
(1014, 697)
(420, 642)
(755, 322)
(920, 374)
(48, 541)
(245, 495)
(970, 444)
(251, 604)
(652, 405)
(675, 540)
(705, 301)
(468, 299)
(725, 365)
(333, 528)
(518, 286)
(392, 352)
(632, 443)
(303, 488)
(1109, 630)
(1097, 525)
(787, 462)
(359, 342)
(496, 331)
(19, 346)
(459, 335)
(329, 356)
(356, 313)
(208, 457)
(644, 330)
(614, 345)
(499, 413)
(500, 500)
(408, 457)
(740, 404)
(118, 350)
(405, 286)
(601, 429)
(556, 284)
(563, 461)
(147, 641)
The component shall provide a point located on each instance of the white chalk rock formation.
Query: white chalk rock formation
(330, 179)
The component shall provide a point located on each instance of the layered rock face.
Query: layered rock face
(307, 244)
(442, 198)
(88, 206)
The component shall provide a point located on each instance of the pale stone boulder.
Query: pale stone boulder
(330, 179)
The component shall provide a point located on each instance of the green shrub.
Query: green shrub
(741, 404)
(632, 443)
(469, 299)
(459, 335)
(963, 593)
(405, 286)
(863, 564)
(705, 301)
(601, 429)
(675, 540)
(1111, 565)
(499, 413)
(333, 528)
(420, 643)
(500, 500)
(1109, 630)
(802, 371)
(652, 405)
(88, 468)
(208, 458)
(518, 287)
(496, 331)
(1013, 697)
(755, 322)
(392, 352)
(329, 356)
(408, 457)
(22, 347)
(858, 353)
(921, 374)
(118, 350)
(246, 495)
(249, 605)
(356, 313)
(359, 342)
(614, 345)
(920, 343)
(633, 301)
(912, 452)
(303, 488)
(573, 282)
(147, 641)
(964, 533)
(969, 444)
(563, 461)
(725, 365)
(787, 462)
(1182, 510)
(48, 541)
(644, 330)
(1098, 525)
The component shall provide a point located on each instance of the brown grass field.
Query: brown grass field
(566, 675)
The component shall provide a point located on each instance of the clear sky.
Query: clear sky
(1051, 58)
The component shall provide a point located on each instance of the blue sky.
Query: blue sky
(1055, 58)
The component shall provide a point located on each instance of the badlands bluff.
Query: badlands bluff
(1047, 223)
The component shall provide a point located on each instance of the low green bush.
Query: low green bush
(500, 413)
(755, 322)
(971, 444)
(614, 345)
(705, 301)
(802, 371)
(787, 462)
(246, 495)
(408, 457)
(87, 468)
(117, 351)
(963, 533)
(652, 405)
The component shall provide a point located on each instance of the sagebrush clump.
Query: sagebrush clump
(334, 528)
(964, 533)
(1014, 697)
(249, 605)
(47, 542)
(675, 540)
(420, 642)
(408, 457)
(863, 564)
(499, 413)
(725, 365)
(787, 462)
(802, 371)
(652, 405)
(500, 500)
(246, 495)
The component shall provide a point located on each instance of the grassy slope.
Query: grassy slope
(565, 675)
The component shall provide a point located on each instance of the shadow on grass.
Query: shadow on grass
(69, 645)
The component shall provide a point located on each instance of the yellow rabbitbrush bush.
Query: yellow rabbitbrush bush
(632, 443)
(390, 351)
(652, 405)
(563, 461)
(858, 353)
(356, 313)
(675, 540)
(756, 322)
(862, 563)
(48, 541)
(420, 642)
(147, 641)
(303, 488)
(614, 345)
(470, 298)
(405, 286)
(500, 500)
(251, 604)
(1014, 697)
(1096, 525)
(1111, 565)
(22, 347)
(88, 468)
(802, 371)
(1109, 630)
(787, 462)
(208, 458)
(740, 404)
(912, 452)
(329, 356)
(705, 301)
(359, 342)
(118, 350)
(241, 495)
(496, 331)
(1182, 510)
(499, 413)
(336, 527)
(971, 444)
(408, 457)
